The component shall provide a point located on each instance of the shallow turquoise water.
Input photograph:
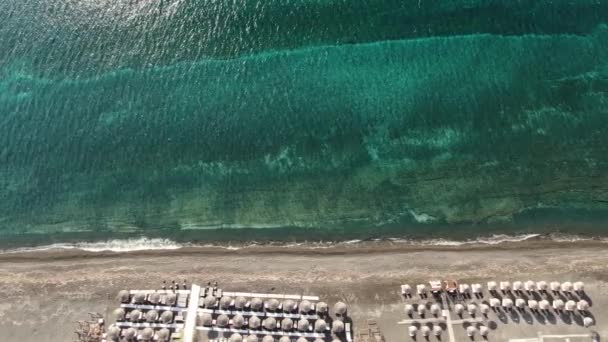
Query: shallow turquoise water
(356, 118)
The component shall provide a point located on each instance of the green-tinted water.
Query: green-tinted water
(130, 116)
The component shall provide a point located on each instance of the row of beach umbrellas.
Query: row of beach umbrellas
(236, 337)
(529, 285)
(437, 330)
(269, 323)
(558, 304)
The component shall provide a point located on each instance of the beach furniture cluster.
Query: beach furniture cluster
(438, 306)
(91, 330)
(215, 315)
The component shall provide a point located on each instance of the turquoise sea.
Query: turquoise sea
(263, 120)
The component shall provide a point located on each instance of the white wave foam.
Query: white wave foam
(490, 240)
(126, 245)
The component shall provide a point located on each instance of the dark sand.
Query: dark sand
(44, 293)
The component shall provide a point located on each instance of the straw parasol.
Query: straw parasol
(544, 304)
(570, 305)
(471, 331)
(289, 305)
(435, 309)
(458, 308)
(134, 315)
(166, 317)
(558, 304)
(471, 309)
(567, 287)
(464, 288)
(287, 324)
(273, 304)
(406, 289)
(421, 309)
(322, 308)
(587, 322)
(530, 285)
(494, 302)
(412, 330)
(285, 339)
(582, 305)
(340, 308)
(163, 335)
(484, 331)
(225, 302)
(320, 325)
(139, 298)
(337, 326)
(130, 334)
(421, 289)
(518, 286)
(236, 337)
(520, 303)
(302, 339)
(113, 333)
(268, 338)
(209, 301)
(154, 298)
(119, 314)
(437, 330)
(532, 304)
(270, 323)
(579, 286)
(507, 303)
(252, 338)
(238, 321)
(425, 330)
(204, 319)
(492, 286)
(319, 340)
(254, 322)
(171, 298)
(542, 285)
(222, 321)
(151, 316)
(303, 325)
(305, 306)
(409, 309)
(476, 288)
(123, 296)
(240, 302)
(256, 304)
(147, 334)
(505, 286)
(484, 308)
(555, 286)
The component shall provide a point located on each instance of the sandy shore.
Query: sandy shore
(45, 292)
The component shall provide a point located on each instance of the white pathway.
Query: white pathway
(190, 324)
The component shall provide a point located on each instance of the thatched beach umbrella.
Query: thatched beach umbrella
(582, 305)
(437, 330)
(268, 338)
(421, 289)
(151, 316)
(238, 321)
(204, 319)
(147, 334)
(236, 337)
(123, 296)
(409, 309)
(166, 317)
(484, 331)
(520, 303)
(337, 326)
(494, 302)
(542, 286)
(518, 286)
(476, 288)
(579, 286)
(484, 308)
(302, 339)
(319, 340)
(225, 302)
(270, 323)
(507, 303)
(254, 322)
(134, 315)
(544, 304)
(320, 325)
(458, 309)
(425, 330)
(471, 331)
(587, 322)
(252, 338)
(287, 324)
(303, 325)
(567, 287)
(471, 309)
(222, 321)
(530, 285)
(139, 298)
(421, 309)
(555, 286)
(240, 302)
(285, 339)
(558, 304)
(209, 302)
(130, 334)
(505, 286)
(322, 308)
(154, 298)
(163, 335)
(272, 304)
(492, 286)
(533, 305)
(406, 289)
(119, 314)
(412, 330)
(305, 306)
(570, 305)
(113, 333)
(464, 288)
(435, 309)
(170, 299)
(256, 304)
(289, 305)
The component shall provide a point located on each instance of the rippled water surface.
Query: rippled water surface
(122, 116)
